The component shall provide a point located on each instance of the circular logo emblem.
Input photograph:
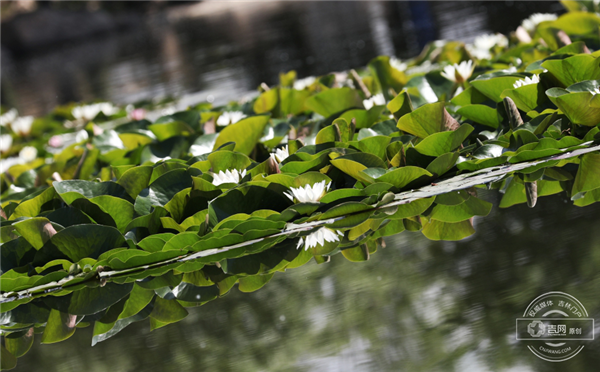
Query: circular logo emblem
(555, 326)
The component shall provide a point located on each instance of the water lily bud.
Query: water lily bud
(272, 165)
(522, 35)
(138, 114)
(531, 193)
(55, 141)
(514, 118)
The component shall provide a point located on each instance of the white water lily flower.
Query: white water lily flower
(82, 135)
(107, 108)
(229, 176)
(459, 73)
(397, 64)
(527, 81)
(319, 237)
(8, 117)
(22, 125)
(535, 19)
(489, 41)
(5, 143)
(281, 154)
(302, 84)
(28, 154)
(376, 100)
(480, 48)
(308, 193)
(522, 35)
(478, 53)
(230, 117)
(87, 112)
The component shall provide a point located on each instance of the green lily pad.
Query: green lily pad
(440, 143)
(426, 120)
(32, 207)
(574, 69)
(166, 312)
(375, 145)
(412, 209)
(36, 231)
(245, 133)
(246, 200)
(515, 193)
(403, 176)
(80, 241)
(333, 101)
(492, 87)
(438, 230)
(588, 174)
(165, 131)
(481, 114)
(527, 97)
(577, 106)
(292, 101)
(266, 102)
(460, 212)
(443, 163)
(60, 326)
(89, 300)
(254, 282)
(386, 76)
(224, 160)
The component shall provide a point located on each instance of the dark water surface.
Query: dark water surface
(221, 51)
(416, 305)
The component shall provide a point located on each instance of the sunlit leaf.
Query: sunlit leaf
(245, 133)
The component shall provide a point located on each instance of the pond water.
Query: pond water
(416, 305)
(221, 52)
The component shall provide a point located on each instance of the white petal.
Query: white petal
(320, 237)
(82, 135)
(303, 83)
(449, 73)
(5, 142)
(22, 125)
(8, 117)
(28, 154)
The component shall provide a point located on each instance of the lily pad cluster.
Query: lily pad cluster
(139, 219)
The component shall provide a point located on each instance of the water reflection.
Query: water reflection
(223, 51)
(416, 305)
